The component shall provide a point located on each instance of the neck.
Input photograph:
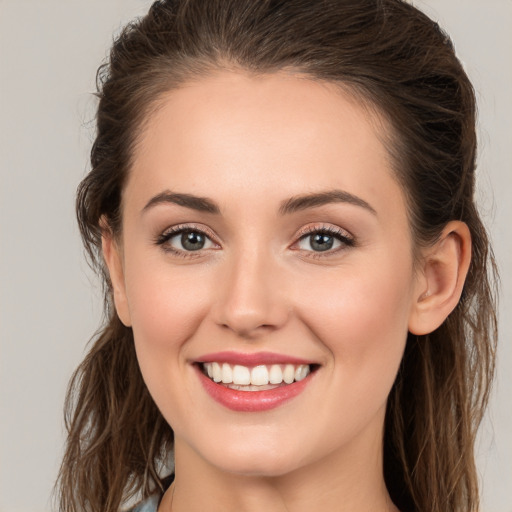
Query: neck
(345, 481)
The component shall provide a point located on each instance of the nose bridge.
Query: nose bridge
(252, 299)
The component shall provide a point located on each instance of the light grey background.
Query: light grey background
(50, 303)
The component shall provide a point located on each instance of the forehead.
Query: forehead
(235, 135)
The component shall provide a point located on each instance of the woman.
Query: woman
(298, 285)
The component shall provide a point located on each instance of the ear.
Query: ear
(441, 278)
(113, 257)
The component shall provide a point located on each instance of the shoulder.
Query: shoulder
(148, 505)
(151, 504)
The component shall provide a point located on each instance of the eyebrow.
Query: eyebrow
(303, 202)
(201, 204)
(294, 204)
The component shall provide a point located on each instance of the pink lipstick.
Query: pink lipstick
(253, 382)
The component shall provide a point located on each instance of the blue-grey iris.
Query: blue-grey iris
(321, 242)
(192, 240)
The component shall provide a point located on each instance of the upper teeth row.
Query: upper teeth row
(258, 375)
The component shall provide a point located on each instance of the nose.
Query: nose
(252, 297)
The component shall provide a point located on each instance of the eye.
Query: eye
(190, 241)
(185, 239)
(324, 239)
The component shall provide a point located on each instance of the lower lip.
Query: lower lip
(252, 401)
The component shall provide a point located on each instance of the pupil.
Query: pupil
(321, 242)
(192, 241)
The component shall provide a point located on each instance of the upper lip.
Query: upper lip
(254, 359)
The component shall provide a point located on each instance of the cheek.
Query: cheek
(362, 321)
(165, 303)
(166, 306)
(361, 314)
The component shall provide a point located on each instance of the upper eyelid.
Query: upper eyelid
(308, 230)
(163, 240)
(179, 228)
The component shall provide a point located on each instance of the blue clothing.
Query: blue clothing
(149, 505)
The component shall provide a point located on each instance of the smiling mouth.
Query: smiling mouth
(256, 378)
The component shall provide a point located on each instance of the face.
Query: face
(265, 238)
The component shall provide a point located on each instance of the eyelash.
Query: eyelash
(340, 235)
(167, 235)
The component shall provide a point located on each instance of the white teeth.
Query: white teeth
(241, 375)
(301, 372)
(227, 374)
(217, 372)
(276, 374)
(289, 373)
(261, 375)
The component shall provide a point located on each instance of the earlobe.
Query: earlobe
(439, 287)
(113, 259)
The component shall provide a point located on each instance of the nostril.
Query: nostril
(248, 331)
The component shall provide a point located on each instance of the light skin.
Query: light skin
(249, 147)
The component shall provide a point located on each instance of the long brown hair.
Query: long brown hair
(401, 64)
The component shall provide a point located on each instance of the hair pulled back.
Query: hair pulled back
(395, 60)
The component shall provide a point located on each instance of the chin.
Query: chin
(256, 460)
